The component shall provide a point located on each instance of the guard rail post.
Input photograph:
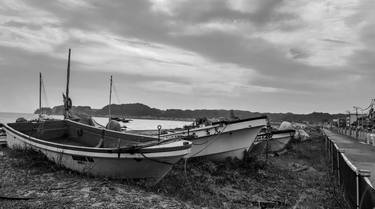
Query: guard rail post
(339, 152)
(357, 188)
(365, 174)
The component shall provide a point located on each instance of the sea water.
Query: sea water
(134, 124)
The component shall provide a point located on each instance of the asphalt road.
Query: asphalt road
(360, 154)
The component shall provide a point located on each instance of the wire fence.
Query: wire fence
(357, 188)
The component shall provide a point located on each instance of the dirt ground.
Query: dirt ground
(299, 178)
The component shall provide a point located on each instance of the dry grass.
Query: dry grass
(239, 184)
(299, 178)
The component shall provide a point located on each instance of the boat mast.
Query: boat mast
(40, 94)
(67, 88)
(110, 99)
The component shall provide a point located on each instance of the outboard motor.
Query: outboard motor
(113, 125)
(21, 120)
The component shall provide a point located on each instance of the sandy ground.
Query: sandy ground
(297, 179)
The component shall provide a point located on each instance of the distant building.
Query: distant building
(352, 120)
(339, 122)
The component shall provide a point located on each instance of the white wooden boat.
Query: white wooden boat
(96, 151)
(221, 140)
(277, 143)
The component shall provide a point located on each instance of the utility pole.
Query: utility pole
(356, 114)
(40, 94)
(67, 89)
(349, 118)
(110, 100)
(357, 121)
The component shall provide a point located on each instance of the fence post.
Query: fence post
(339, 151)
(332, 156)
(328, 150)
(361, 173)
(357, 187)
(338, 166)
(331, 151)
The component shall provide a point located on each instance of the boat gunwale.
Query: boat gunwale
(120, 150)
(241, 120)
(227, 132)
(217, 124)
(279, 132)
(110, 131)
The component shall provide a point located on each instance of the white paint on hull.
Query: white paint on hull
(229, 144)
(221, 141)
(277, 143)
(103, 164)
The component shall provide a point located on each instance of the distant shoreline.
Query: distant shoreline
(105, 116)
(150, 118)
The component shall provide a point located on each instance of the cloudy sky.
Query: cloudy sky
(258, 55)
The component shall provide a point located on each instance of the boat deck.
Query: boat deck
(144, 132)
(68, 141)
(360, 154)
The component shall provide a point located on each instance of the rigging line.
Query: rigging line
(210, 141)
(156, 160)
(115, 93)
(45, 93)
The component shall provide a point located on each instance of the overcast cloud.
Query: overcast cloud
(258, 55)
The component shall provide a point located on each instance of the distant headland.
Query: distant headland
(138, 110)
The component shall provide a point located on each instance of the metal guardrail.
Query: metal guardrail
(358, 189)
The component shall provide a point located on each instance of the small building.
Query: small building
(355, 119)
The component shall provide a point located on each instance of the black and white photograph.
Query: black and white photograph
(191, 104)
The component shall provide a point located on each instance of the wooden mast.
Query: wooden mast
(40, 94)
(67, 88)
(110, 99)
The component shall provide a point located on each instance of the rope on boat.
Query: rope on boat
(217, 133)
(209, 142)
(156, 160)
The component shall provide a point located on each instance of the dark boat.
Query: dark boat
(273, 142)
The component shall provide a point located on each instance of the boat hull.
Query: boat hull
(220, 141)
(113, 165)
(277, 143)
(232, 144)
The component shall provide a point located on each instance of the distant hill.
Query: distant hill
(138, 110)
(59, 110)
